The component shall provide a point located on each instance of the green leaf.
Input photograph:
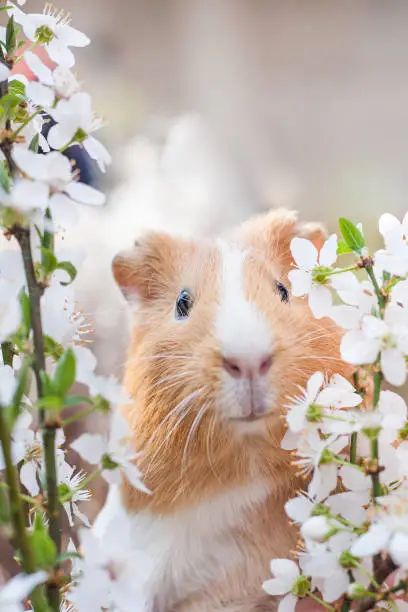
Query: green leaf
(48, 385)
(64, 376)
(48, 260)
(353, 238)
(5, 179)
(74, 400)
(9, 102)
(43, 548)
(342, 248)
(70, 269)
(17, 87)
(11, 36)
(33, 146)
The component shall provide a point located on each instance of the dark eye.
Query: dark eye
(283, 292)
(183, 304)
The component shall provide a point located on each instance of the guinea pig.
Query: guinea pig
(218, 347)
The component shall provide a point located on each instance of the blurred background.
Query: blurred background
(219, 109)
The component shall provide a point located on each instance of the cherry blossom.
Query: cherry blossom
(75, 116)
(314, 455)
(57, 29)
(114, 455)
(74, 482)
(309, 264)
(286, 582)
(60, 82)
(53, 172)
(388, 336)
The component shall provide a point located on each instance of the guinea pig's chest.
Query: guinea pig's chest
(183, 552)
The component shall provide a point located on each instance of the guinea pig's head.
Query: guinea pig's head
(218, 340)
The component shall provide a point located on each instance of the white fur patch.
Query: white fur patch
(241, 328)
(189, 550)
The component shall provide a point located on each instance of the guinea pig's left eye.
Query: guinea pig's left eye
(184, 304)
(283, 292)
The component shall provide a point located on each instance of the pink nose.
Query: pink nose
(245, 367)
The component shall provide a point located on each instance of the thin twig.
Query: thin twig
(22, 235)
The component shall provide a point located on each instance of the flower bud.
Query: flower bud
(317, 529)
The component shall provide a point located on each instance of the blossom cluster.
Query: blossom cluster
(349, 441)
(44, 336)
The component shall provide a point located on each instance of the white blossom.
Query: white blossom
(388, 532)
(117, 449)
(286, 574)
(73, 116)
(313, 456)
(308, 260)
(63, 35)
(388, 336)
(74, 481)
(60, 82)
(53, 172)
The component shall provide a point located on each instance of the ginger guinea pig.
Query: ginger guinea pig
(218, 347)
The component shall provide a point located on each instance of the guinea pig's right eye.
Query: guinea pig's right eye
(184, 304)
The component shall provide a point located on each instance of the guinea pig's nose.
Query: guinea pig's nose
(247, 367)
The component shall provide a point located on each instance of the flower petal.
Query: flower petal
(41, 71)
(98, 152)
(372, 542)
(301, 282)
(32, 164)
(393, 367)
(20, 587)
(320, 301)
(299, 508)
(60, 53)
(28, 476)
(354, 479)
(314, 385)
(328, 253)
(287, 604)
(90, 447)
(40, 94)
(286, 569)
(304, 253)
(357, 349)
(398, 549)
(29, 195)
(85, 194)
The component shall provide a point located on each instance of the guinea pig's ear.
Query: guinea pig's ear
(275, 230)
(145, 271)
